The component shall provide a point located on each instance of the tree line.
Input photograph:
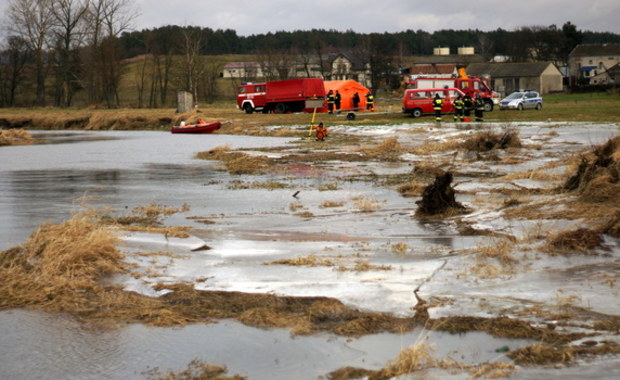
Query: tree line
(57, 49)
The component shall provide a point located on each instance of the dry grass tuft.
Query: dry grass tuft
(366, 204)
(598, 176)
(310, 261)
(434, 147)
(582, 240)
(364, 266)
(388, 149)
(497, 370)
(15, 137)
(400, 248)
(196, 369)
(541, 354)
(329, 204)
(237, 162)
(417, 357)
(60, 265)
(489, 140)
(413, 188)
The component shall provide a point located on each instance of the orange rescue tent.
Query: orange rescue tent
(347, 88)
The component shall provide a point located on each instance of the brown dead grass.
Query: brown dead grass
(310, 261)
(417, 357)
(388, 150)
(490, 140)
(429, 148)
(363, 266)
(237, 162)
(598, 175)
(363, 204)
(196, 370)
(60, 265)
(15, 137)
(580, 241)
(330, 204)
(413, 188)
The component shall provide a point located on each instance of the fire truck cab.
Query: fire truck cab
(251, 97)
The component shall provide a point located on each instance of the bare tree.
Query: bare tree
(14, 58)
(69, 32)
(107, 19)
(32, 21)
(191, 68)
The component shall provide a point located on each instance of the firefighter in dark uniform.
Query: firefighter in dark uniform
(437, 104)
(370, 101)
(468, 105)
(356, 101)
(458, 108)
(330, 101)
(337, 99)
(479, 104)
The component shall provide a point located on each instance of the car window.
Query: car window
(242, 90)
(515, 95)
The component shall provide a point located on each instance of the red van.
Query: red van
(420, 101)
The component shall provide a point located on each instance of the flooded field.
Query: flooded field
(334, 222)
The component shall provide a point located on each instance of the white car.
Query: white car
(521, 100)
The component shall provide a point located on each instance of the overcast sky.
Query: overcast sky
(366, 16)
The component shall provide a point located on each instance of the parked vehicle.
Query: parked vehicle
(471, 85)
(199, 127)
(520, 100)
(280, 96)
(420, 101)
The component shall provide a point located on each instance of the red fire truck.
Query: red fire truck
(468, 84)
(280, 96)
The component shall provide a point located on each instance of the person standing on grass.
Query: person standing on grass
(370, 101)
(479, 104)
(330, 101)
(468, 104)
(458, 108)
(356, 101)
(437, 104)
(337, 99)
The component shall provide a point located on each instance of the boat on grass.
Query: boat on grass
(199, 127)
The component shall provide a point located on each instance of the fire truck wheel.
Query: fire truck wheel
(416, 112)
(280, 108)
(248, 108)
(488, 106)
(350, 116)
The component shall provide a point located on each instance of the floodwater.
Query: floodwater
(252, 226)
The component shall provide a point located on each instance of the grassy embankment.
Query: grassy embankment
(598, 107)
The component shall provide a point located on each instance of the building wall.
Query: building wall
(602, 63)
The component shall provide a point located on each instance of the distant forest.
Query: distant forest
(550, 43)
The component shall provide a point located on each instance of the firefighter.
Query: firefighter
(337, 99)
(330, 101)
(479, 104)
(320, 132)
(437, 104)
(370, 101)
(356, 101)
(458, 108)
(468, 105)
